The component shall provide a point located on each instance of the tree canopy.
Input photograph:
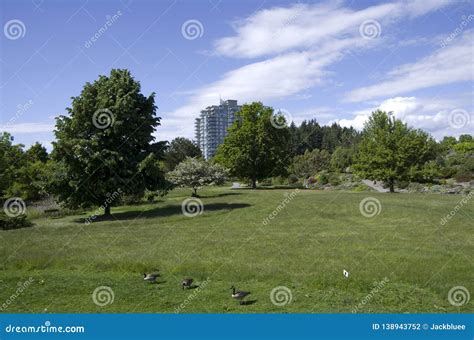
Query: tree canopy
(178, 150)
(196, 173)
(106, 143)
(254, 148)
(390, 150)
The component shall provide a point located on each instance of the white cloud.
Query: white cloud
(27, 128)
(447, 65)
(430, 114)
(299, 43)
(280, 29)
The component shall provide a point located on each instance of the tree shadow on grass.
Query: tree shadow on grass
(169, 210)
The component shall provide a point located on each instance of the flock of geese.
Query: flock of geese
(187, 283)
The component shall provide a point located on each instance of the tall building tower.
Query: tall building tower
(211, 126)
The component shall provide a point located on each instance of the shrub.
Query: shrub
(8, 223)
(292, 179)
(334, 179)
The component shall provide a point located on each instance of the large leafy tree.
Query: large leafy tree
(106, 143)
(391, 151)
(196, 173)
(178, 150)
(254, 147)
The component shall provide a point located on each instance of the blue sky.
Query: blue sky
(334, 61)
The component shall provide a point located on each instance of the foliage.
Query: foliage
(8, 223)
(342, 158)
(178, 150)
(106, 143)
(23, 173)
(310, 163)
(197, 173)
(310, 135)
(254, 148)
(391, 151)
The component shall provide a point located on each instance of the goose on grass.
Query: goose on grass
(151, 277)
(239, 294)
(186, 283)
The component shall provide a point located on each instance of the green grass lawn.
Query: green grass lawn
(305, 248)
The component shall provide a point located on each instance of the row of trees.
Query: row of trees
(106, 142)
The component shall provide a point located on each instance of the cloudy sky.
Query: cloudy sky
(334, 61)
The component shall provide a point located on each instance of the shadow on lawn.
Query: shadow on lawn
(161, 212)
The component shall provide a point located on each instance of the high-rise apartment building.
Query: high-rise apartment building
(211, 126)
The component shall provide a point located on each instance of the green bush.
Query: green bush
(334, 179)
(8, 223)
(292, 179)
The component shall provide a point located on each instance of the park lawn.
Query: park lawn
(305, 248)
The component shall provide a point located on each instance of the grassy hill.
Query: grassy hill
(401, 260)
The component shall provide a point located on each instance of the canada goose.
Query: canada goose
(239, 294)
(186, 283)
(150, 277)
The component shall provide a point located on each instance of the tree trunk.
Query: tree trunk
(254, 183)
(392, 185)
(195, 193)
(107, 211)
